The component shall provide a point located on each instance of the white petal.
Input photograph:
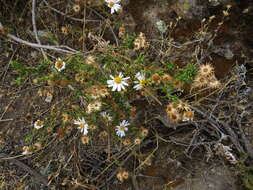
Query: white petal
(124, 83)
(110, 81)
(112, 10)
(114, 87)
(116, 7)
(119, 87)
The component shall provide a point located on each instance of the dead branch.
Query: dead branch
(35, 27)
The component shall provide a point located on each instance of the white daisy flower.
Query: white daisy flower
(83, 126)
(141, 81)
(106, 116)
(114, 5)
(59, 65)
(38, 124)
(117, 82)
(120, 130)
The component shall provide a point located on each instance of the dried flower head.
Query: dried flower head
(175, 117)
(188, 116)
(90, 60)
(144, 132)
(170, 109)
(37, 146)
(182, 106)
(200, 81)
(122, 175)
(126, 142)
(125, 174)
(206, 70)
(95, 106)
(85, 140)
(137, 141)
(98, 91)
(38, 124)
(156, 78)
(167, 78)
(65, 30)
(140, 42)
(215, 84)
(103, 134)
(76, 8)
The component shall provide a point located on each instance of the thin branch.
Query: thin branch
(34, 45)
(35, 27)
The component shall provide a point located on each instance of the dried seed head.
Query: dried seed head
(200, 81)
(182, 106)
(215, 84)
(103, 134)
(175, 117)
(144, 132)
(85, 140)
(90, 60)
(170, 109)
(93, 127)
(65, 30)
(188, 116)
(126, 142)
(137, 141)
(206, 70)
(156, 78)
(37, 146)
(76, 8)
(167, 78)
(120, 176)
(125, 174)
(140, 42)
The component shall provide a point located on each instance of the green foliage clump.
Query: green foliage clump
(187, 73)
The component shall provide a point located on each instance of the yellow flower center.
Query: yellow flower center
(39, 123)
(117, 80)
(120, 128)
(81, 126)
(142, 82)
(111, 4)
(58, 64)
